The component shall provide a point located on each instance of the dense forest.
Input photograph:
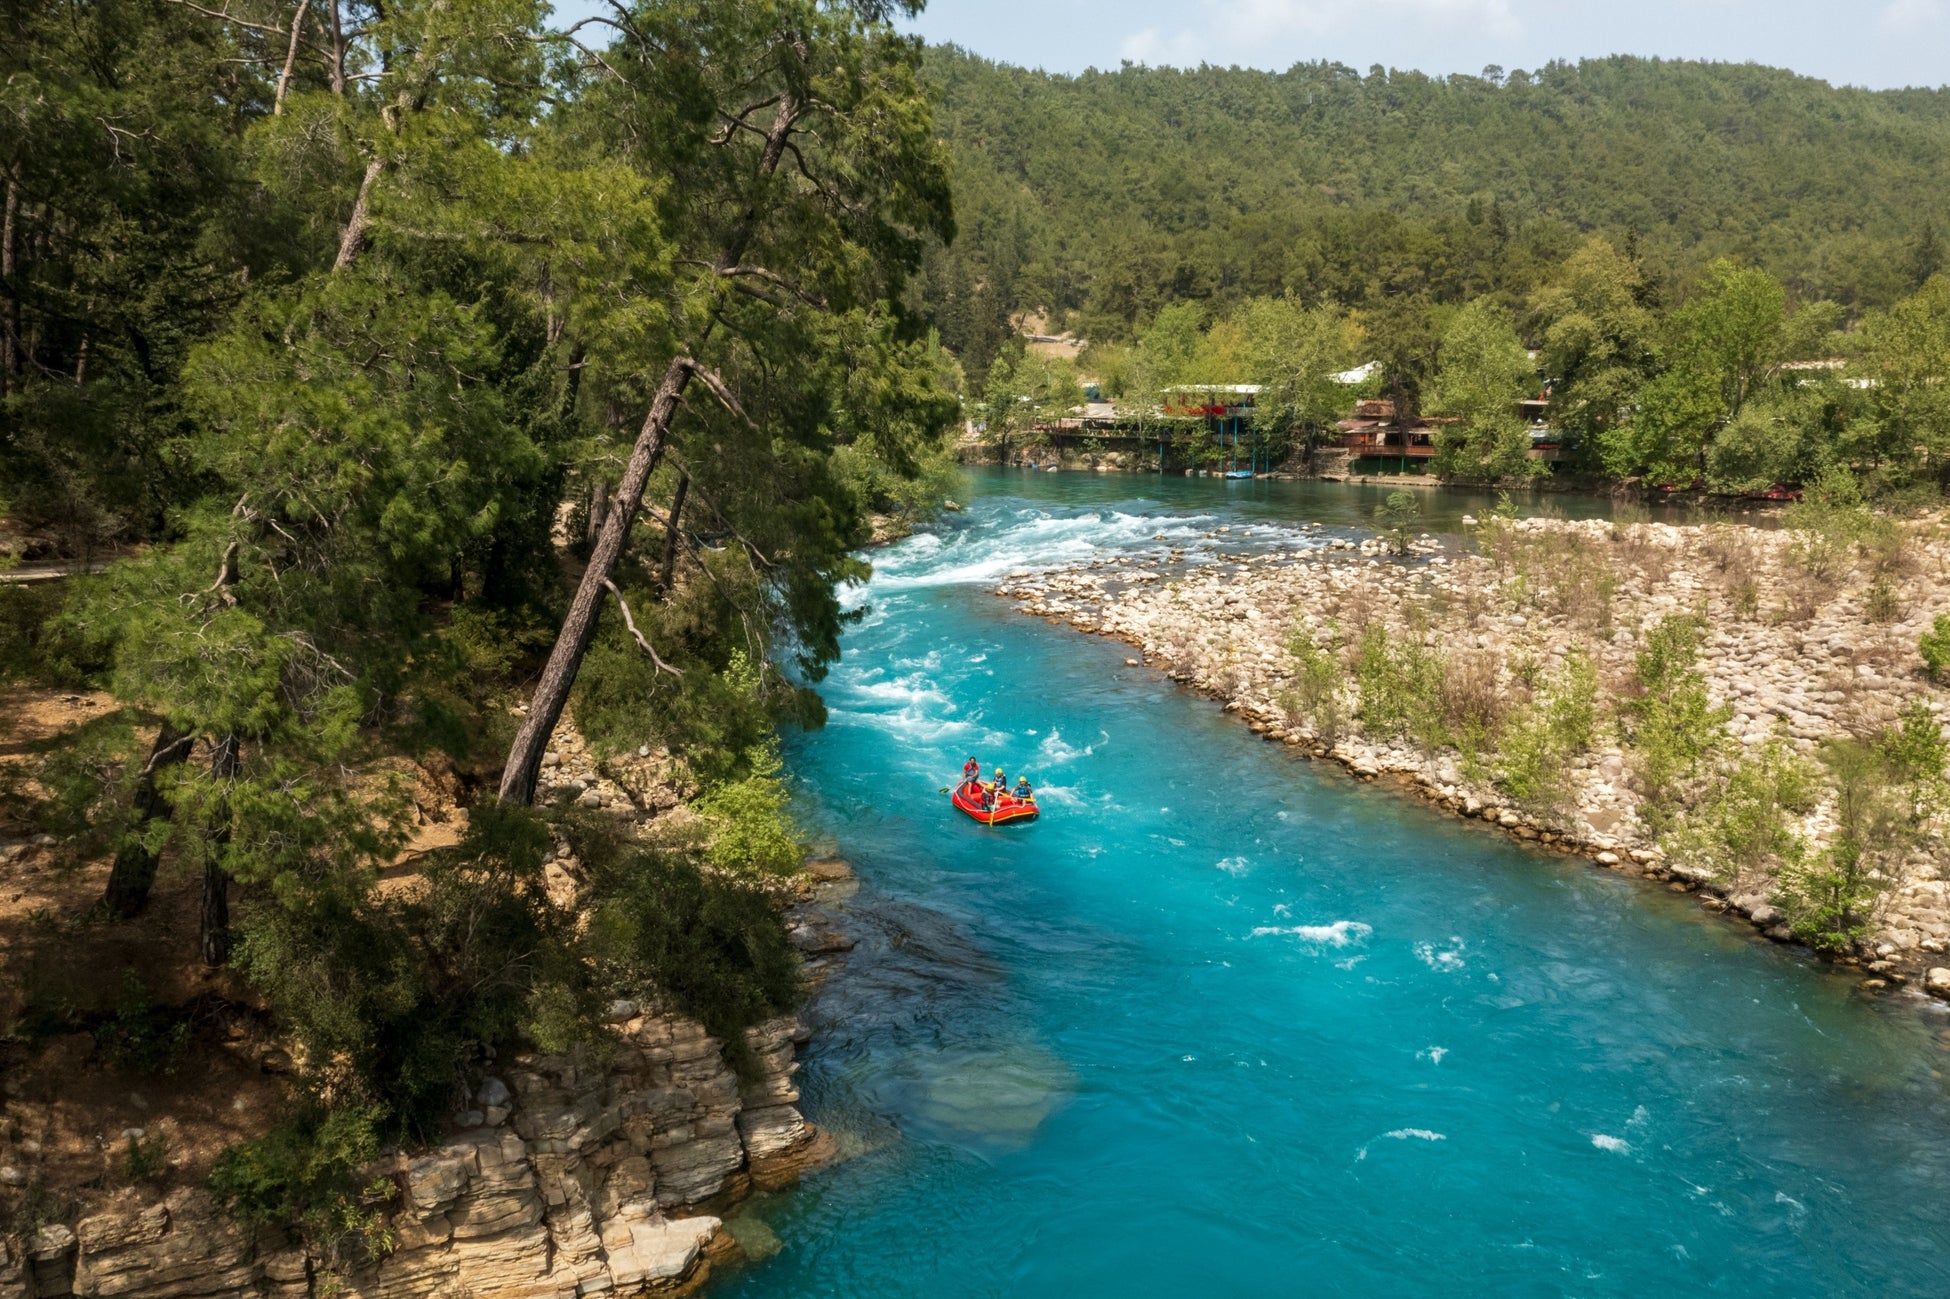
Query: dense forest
(1722, 274)
(415, 373)
(1103, 197)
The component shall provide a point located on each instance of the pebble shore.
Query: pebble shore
(1791, 655)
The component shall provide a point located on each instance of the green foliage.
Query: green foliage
(143, 1039)
(714, 944)
(1102, 198)
(1906, 358)
(1744, 820)
(42, 642)
(1534, 750)
(1293, 351)
(1024, 389)
(1318, 694)
(1914, 752)
(1483, 373)
(1398, 514)
(308, 1173)
(749, 819)
(147, 1158)
(1832, 523)
(393, 995)
(1831, 898)
(1401, 688)
(1671, 722)
(81, 781)
(1599, 342)
(1934, 646)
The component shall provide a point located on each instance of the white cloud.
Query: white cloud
(1907, 16)
(1181, 49)
(1240, 32)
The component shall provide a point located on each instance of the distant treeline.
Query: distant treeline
(1105, 197)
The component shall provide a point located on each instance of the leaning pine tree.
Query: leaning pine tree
(362, 428)
(802, 181)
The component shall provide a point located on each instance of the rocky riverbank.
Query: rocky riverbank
(562, 1175)
(1808, 637)
(565, 1179)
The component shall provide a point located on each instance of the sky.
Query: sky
(1876, 43)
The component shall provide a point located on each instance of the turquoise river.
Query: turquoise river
(1226, 1022)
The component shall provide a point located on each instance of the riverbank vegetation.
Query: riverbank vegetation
(421, 376)
(1742, 710)
(1732, 387)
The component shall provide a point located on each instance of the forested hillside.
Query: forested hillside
(420, 376)
(1104, 196)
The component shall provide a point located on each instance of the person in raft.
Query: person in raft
(1001, 785)
(971, 770)
(1024, 794)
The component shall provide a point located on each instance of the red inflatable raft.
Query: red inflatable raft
(968, 797)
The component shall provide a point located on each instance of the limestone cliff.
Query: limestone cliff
(566, 1179)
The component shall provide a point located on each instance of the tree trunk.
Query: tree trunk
(10, 321)
(598, 510)
(667, 571)
(213, 929)
(354, 237)
(134, 871)
(579, 627)
(336, 71)
(290, 58)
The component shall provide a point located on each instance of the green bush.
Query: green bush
(1915, 753)
(1745, 820)
(147, 1158)
(1397, 515)
(395, 995)
(1935, 646)
(1401, 688)
(1535, 748)
(1831, 898)
(750, 819)
(716, 946)
(44, 641)
(1671, 722)
(1317, 695)
(142, 1038)
(308, 1174)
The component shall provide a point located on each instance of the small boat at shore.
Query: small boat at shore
(1007, 809)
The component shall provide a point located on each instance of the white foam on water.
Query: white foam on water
(1401, 1134)
(1342, 933)
(1235, 867)
(1053, 749)
(1444, 960)
(1795, 1207)
(1617, 1145)
(1433, 1054)
(1034, 540)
